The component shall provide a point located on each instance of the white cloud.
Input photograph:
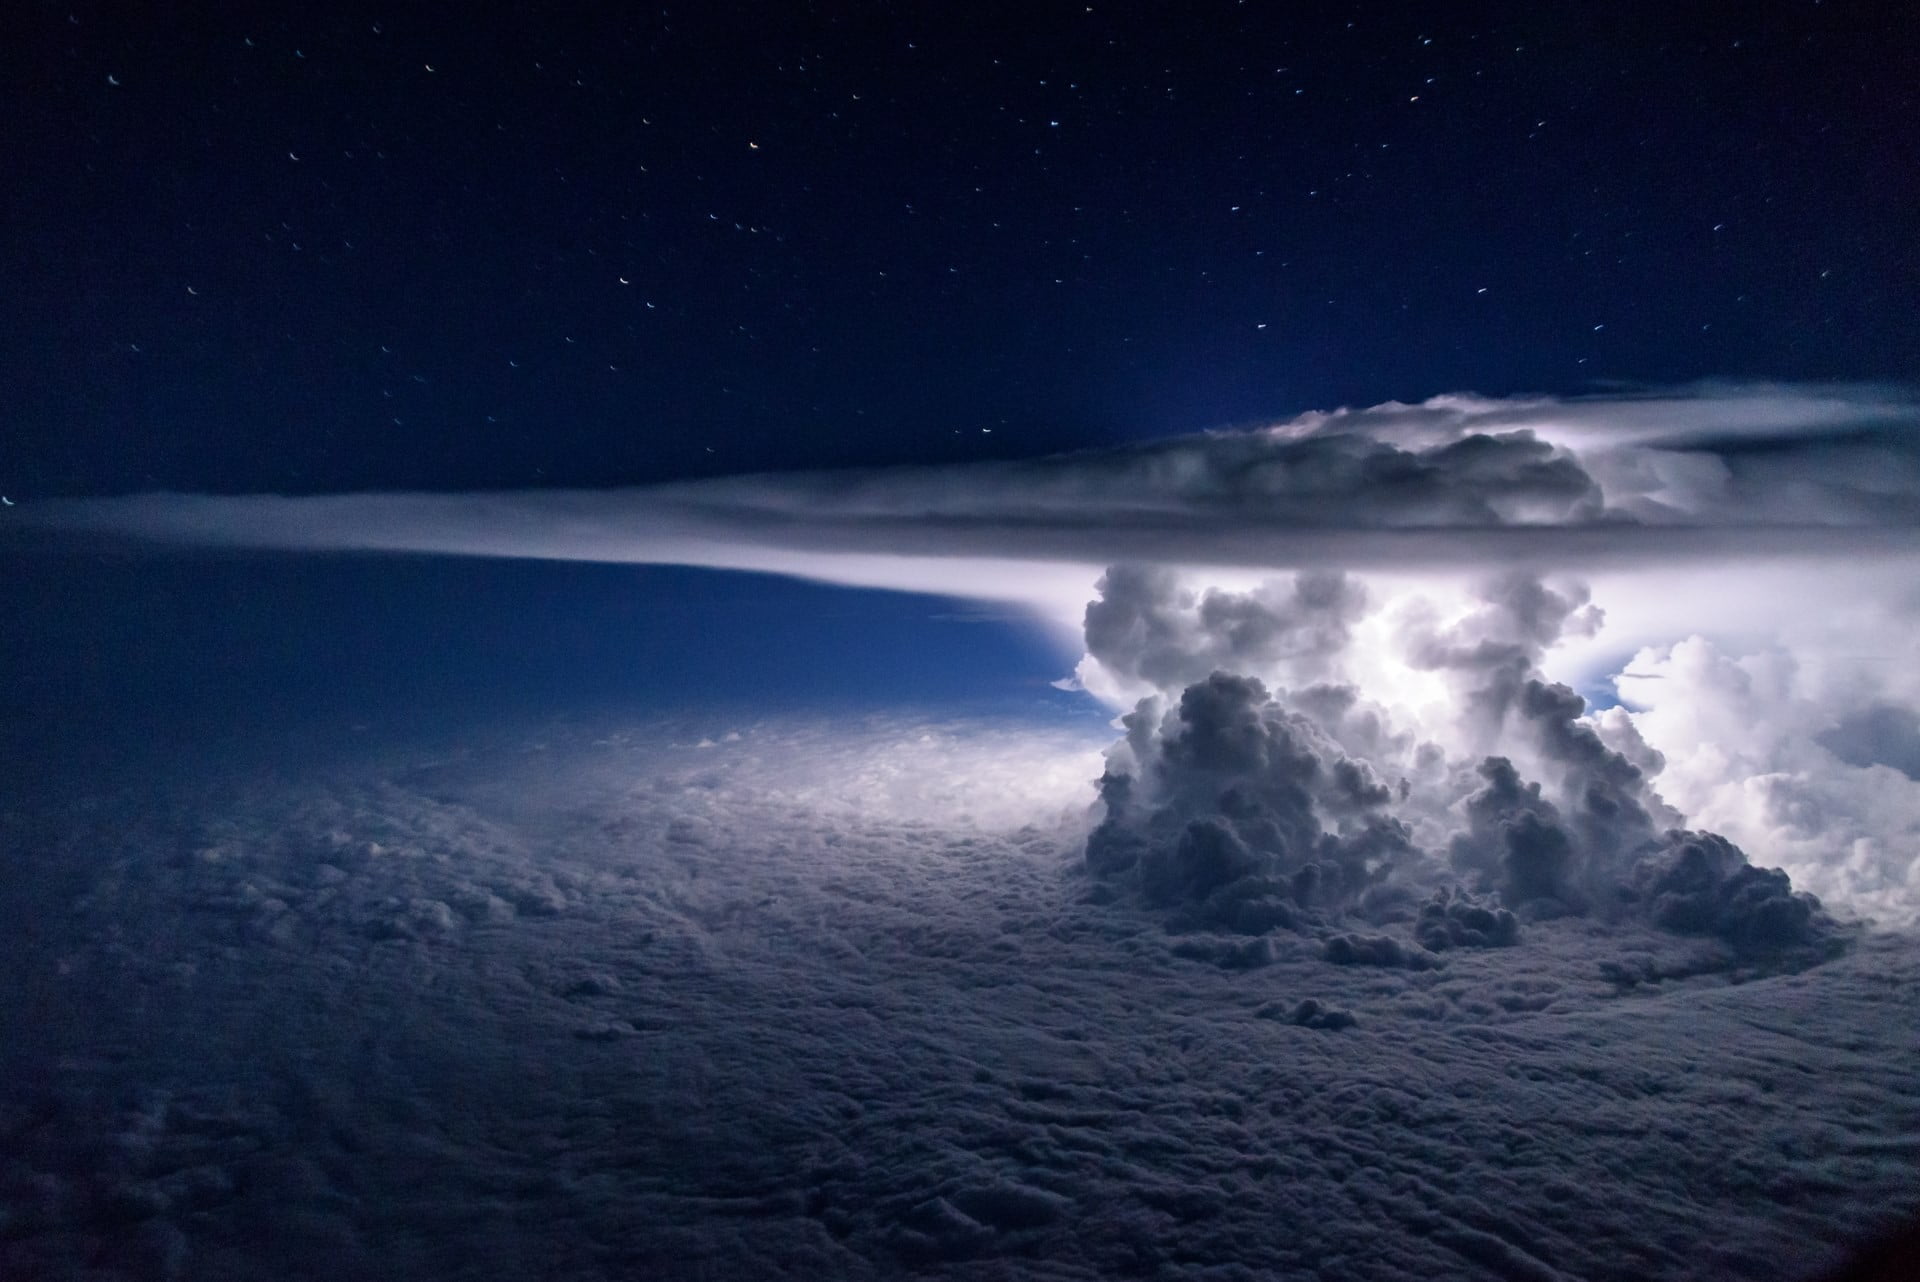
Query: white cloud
(1741, 737)
(1457, 481)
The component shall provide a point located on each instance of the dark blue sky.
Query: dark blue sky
(310, 248)
(124, 651)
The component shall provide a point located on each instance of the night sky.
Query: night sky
(307, 249)
(1064, 642)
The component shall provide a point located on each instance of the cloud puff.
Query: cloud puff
(1455, 919)
(1240, 811)
(1147, 631)
(1700, 883)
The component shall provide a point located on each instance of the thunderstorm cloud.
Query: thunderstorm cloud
(1558, 756)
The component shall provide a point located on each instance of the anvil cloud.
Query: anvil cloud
(1458, 480)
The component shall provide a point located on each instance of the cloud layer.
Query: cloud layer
(760, 1000)
(1589, 482)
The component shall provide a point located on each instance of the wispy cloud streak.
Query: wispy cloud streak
(1588, 483)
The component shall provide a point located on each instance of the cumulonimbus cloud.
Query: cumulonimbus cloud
(1756, 515)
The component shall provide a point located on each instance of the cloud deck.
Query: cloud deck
(583, 1007)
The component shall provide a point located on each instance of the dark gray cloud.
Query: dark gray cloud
(1700, 883)
(1351, 949)
(1456, 919)
(1556, 858)
(1238, 811)
(756, 1031)
(1515, 843)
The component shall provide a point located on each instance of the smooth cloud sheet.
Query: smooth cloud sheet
(1593, 482)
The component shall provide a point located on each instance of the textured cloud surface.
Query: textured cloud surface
(808, 1001)
(1254, 808)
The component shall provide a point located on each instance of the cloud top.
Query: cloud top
(1457, 480)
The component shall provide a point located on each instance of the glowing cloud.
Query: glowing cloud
(1454, 481)
(1425, 627)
